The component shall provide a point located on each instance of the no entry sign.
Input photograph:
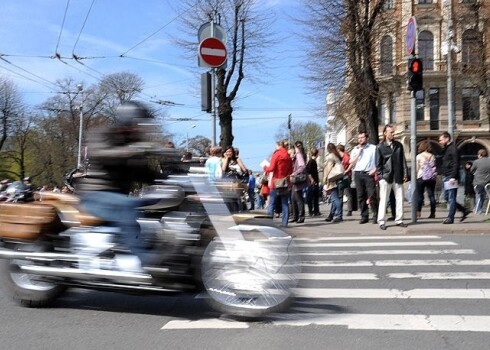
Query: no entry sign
(213, 52)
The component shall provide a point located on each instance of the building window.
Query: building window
(425, 1)
(389, 5)
(471, 50)
(381, 113)
(393, 110)
(434, 108)
(419, 105)
(426, 49)
(471, 104)
(386, 55)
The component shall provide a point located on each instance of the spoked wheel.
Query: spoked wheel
(250, 278)
(27, 289)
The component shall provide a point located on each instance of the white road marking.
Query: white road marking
(212, 323)
(443, 275)
(375, 244)
(391, 252)
(361, 238)
(449, 323)
(376, 293)
(385, 263)
(337, 276)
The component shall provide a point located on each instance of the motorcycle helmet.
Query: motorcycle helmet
(131, 114)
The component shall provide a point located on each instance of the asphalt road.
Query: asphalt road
(356, 292)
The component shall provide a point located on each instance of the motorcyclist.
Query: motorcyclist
(118, 160)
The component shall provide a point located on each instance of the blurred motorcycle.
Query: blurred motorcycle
(17, 191)
(246, 267)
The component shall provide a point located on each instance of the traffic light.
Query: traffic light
(415, 74)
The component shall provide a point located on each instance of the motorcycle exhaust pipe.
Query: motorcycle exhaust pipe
(108, 275)
(40, 256)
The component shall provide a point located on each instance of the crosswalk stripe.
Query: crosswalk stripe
(448, 323)
(458, 323)
(363, 238)
(442, 275)
(387, 263)
(391, 252)
(375, 244)
(337, 276)
(378, 293)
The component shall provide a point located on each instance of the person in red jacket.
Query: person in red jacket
(281, 166)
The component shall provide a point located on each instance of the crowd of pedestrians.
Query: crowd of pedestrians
(372, 179)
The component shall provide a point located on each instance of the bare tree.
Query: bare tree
(341, 36)
(10, 108)
(248, 30)
(309, 133)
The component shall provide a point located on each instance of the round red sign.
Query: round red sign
(213, 52)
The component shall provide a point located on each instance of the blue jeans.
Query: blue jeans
(451, 195)
(480, 198)
(120, 210)
(273, 197)
(336, 204)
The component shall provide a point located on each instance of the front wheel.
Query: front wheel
(250, 278)
(28, 290)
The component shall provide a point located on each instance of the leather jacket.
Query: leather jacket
(391, 164)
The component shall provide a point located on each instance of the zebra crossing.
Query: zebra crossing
(370, 279)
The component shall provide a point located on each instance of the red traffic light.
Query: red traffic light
(415, 66)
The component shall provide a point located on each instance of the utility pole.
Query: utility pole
(80, 130)
(450, 109)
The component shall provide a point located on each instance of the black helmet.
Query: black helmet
(130, 114)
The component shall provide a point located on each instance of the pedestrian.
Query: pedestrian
(281, 167)
(333, 162)
(450, 173)
(392, 171)
(346, 190)
(426, 178)
(251, 189)
(299, 181)
(313, 191)
(481, 172)
(469, 190)
(213, 163)
(364, 167)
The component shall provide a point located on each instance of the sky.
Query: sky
(32, 31)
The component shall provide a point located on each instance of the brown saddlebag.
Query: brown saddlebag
(26, 220)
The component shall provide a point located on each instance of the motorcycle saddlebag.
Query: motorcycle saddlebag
(26, 221)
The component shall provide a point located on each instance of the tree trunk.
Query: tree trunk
(225, 112)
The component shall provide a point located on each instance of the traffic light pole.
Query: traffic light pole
(413, 152)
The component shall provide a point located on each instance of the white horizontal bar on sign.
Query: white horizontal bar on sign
(374, 244)
(443, 275)
(364, 238)
(446, 323)
(386, 263)
(337, 276)
(213, 52)
(377, 293)
(212, 323)
(391, 252)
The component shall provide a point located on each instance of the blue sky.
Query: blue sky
(30, 33)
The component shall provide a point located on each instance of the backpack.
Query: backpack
(429, 170)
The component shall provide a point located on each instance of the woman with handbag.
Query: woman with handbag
(332, 174)
(299, 181)
(281, 167)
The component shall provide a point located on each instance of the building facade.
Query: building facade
(455, 27)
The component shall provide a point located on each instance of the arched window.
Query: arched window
(426, 49)
(471, 50)
(386, 65)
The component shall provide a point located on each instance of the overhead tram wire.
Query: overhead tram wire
(83, 26)
(25, 77)
(62, 26)
(26, 71)
(155, 32)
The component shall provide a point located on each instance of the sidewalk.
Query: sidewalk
(317, 226)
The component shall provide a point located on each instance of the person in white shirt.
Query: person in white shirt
(364, 167)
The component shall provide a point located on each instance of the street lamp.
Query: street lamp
(187, 138)
(79, 159)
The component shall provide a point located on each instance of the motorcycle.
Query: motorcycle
(245, 267)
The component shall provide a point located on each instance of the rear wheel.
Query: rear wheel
(250, 278)
(27, 289)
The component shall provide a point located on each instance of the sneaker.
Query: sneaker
(337, 220)
(364, 220)
(401, 224)
(383, 227)
(465, 215)
(447, 221)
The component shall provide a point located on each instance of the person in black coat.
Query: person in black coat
(392, 171)
(469, 190)
(450, 172)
